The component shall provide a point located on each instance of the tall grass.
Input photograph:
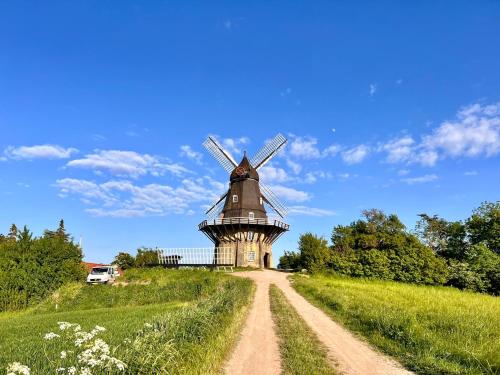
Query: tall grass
(191, 317)
(301, 351)
(431, 330)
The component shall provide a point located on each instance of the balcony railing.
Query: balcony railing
(244, 220)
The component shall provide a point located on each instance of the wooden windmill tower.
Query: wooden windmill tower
(238, 224)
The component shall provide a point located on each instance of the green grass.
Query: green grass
(301, 351)
(431, 330)
(196, 315)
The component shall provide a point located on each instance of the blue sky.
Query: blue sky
(104, 106)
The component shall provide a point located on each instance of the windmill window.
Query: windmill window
(251, 215)
(235, 199)
(250, 236)
(260, 200)
(251, 256)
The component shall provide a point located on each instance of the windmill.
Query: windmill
(237, 223)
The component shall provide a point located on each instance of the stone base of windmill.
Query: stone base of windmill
(246, 253)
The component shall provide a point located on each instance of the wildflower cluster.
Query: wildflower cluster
(17, 369)
(87, 352)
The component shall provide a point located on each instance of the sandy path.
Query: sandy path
(349, 354)
(257, 352)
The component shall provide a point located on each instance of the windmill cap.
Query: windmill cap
(244, 170)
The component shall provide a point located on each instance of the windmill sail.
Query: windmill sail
(273, 201)
(223, 157)
(217, 206)
(268, 151)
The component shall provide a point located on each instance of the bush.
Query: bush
(479, 272)
(379, 247)
(290, 260)
(30, 268)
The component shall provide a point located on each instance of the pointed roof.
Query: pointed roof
(244, 170)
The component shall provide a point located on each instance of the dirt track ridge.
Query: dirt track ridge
(257, 352)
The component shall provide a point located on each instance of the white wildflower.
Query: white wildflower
(119, 364)
(50, 336)
(82, 337)
(61, 369)
(148, 325)
(85, 371)
(71, 370)
(17, 368)
(64, 325)
(64, 354)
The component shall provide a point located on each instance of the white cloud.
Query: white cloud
(471, 173)
(403, 172)
(312, 177)
(122, 198)
(474, 132)
(290, 194)
(331, 150)
(127, 163)
(295, 167)
(188, 152)
(310, 211)
(399, 150)
(39, 152)
(306, 148)
(356, 154)
(420, 180)
(373, 89)
(271, 174)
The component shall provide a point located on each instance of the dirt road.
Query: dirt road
(257, 351)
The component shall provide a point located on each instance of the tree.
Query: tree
(146, 257)
(433, 231)
(290, 260)
(59, 233)
(314, 252)
(445, 238)
(13, 232)
(32, 267)
(484, 226)
(124, 260)
(379, 246)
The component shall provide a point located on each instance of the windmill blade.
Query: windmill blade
(220, 202)
(273, 200)
(268, 151)
(215, 211)
(222, 156)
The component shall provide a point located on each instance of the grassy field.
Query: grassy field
(431, 330)
(158, 320)
(301, 351)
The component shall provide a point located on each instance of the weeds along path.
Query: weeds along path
(257, 351)
(347, 353)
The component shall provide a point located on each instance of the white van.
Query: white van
(102, 275)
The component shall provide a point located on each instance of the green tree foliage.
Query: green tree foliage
(290, 260)
(314, 252)
(379, 246)
(484, 226)
(124, 261)
(146, 257)
(32, 267)
(471, 248)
